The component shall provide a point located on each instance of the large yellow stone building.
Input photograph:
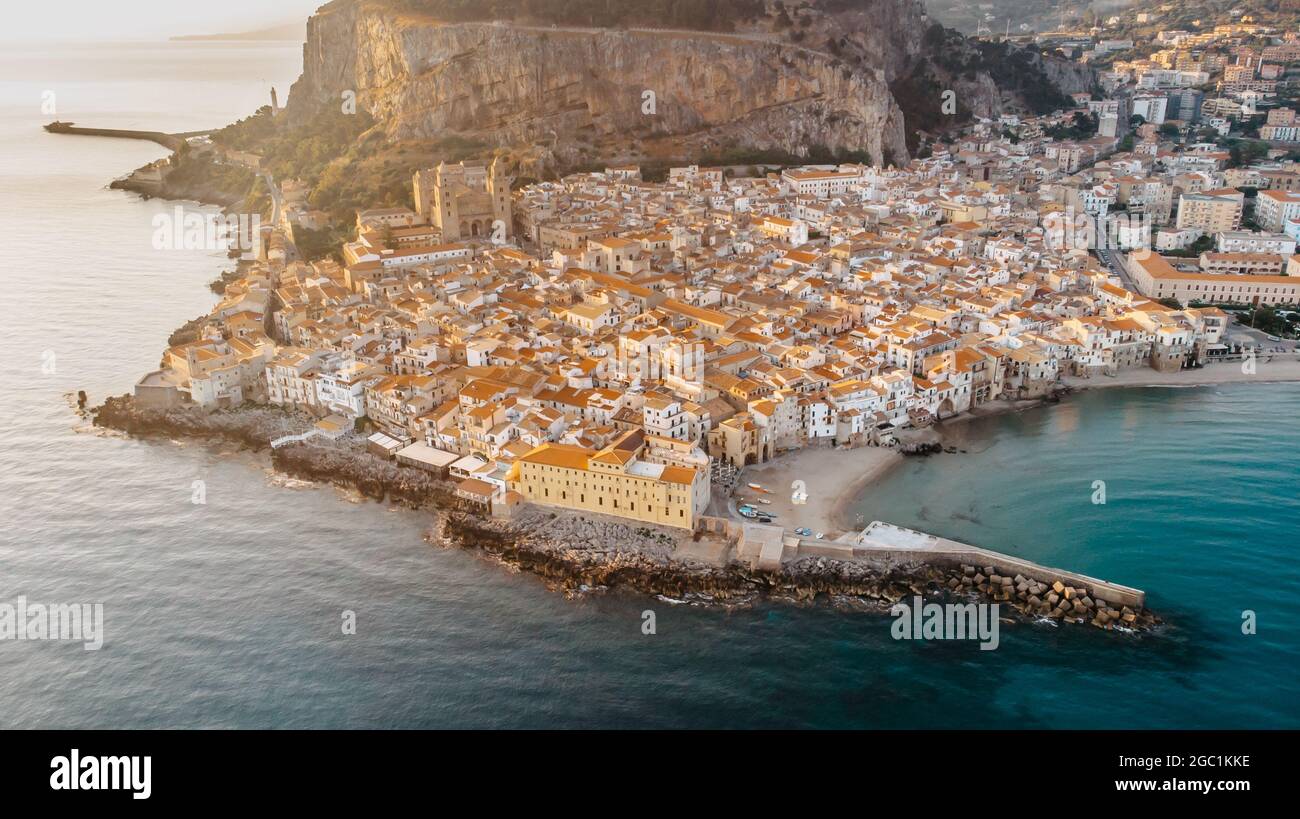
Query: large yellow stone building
(1156, 278)
(612, 481)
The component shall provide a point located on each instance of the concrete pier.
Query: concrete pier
(172, 142)
(889, 544)
(886, 546)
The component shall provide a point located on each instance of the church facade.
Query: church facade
(468, 200)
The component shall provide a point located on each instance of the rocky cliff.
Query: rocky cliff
(562, 88)
(861, 79)
(1069, 76)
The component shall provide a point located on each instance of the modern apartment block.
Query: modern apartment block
(1211, 212)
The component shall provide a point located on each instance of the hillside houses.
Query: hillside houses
(636, 331)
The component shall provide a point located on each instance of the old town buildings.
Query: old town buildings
(621, 335)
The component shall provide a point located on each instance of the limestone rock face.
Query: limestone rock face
(511, 85)
(1067, 75)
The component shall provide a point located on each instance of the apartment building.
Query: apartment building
(791, 231)
(291, 378)
(1210, 212)
(1247, 241)
(1274, 208)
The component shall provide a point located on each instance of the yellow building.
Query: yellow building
(958, 212)
(612, 481)
(1211, 212)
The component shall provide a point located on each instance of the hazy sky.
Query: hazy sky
(60, 20)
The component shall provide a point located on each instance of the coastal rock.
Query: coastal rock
(577, 554)
(512, 85)
(252, 426)
(343, 462)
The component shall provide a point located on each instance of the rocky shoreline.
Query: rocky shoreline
(203, 194)
(343, 463)
(575, 554)
(191, 179)
(250, 427)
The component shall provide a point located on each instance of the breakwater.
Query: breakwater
(577, 553)
(171, 142)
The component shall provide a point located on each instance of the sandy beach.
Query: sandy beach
(832, 479)
(1283, 367)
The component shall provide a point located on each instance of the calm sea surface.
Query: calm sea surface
(228, 614)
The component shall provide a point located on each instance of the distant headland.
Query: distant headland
(285, 31)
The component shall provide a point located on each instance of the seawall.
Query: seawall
(172, 142)
(885, 546)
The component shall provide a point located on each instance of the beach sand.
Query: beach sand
(1283, 367)
(833, 479)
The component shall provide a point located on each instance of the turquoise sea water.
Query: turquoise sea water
(228, 614)
(1201, 511)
